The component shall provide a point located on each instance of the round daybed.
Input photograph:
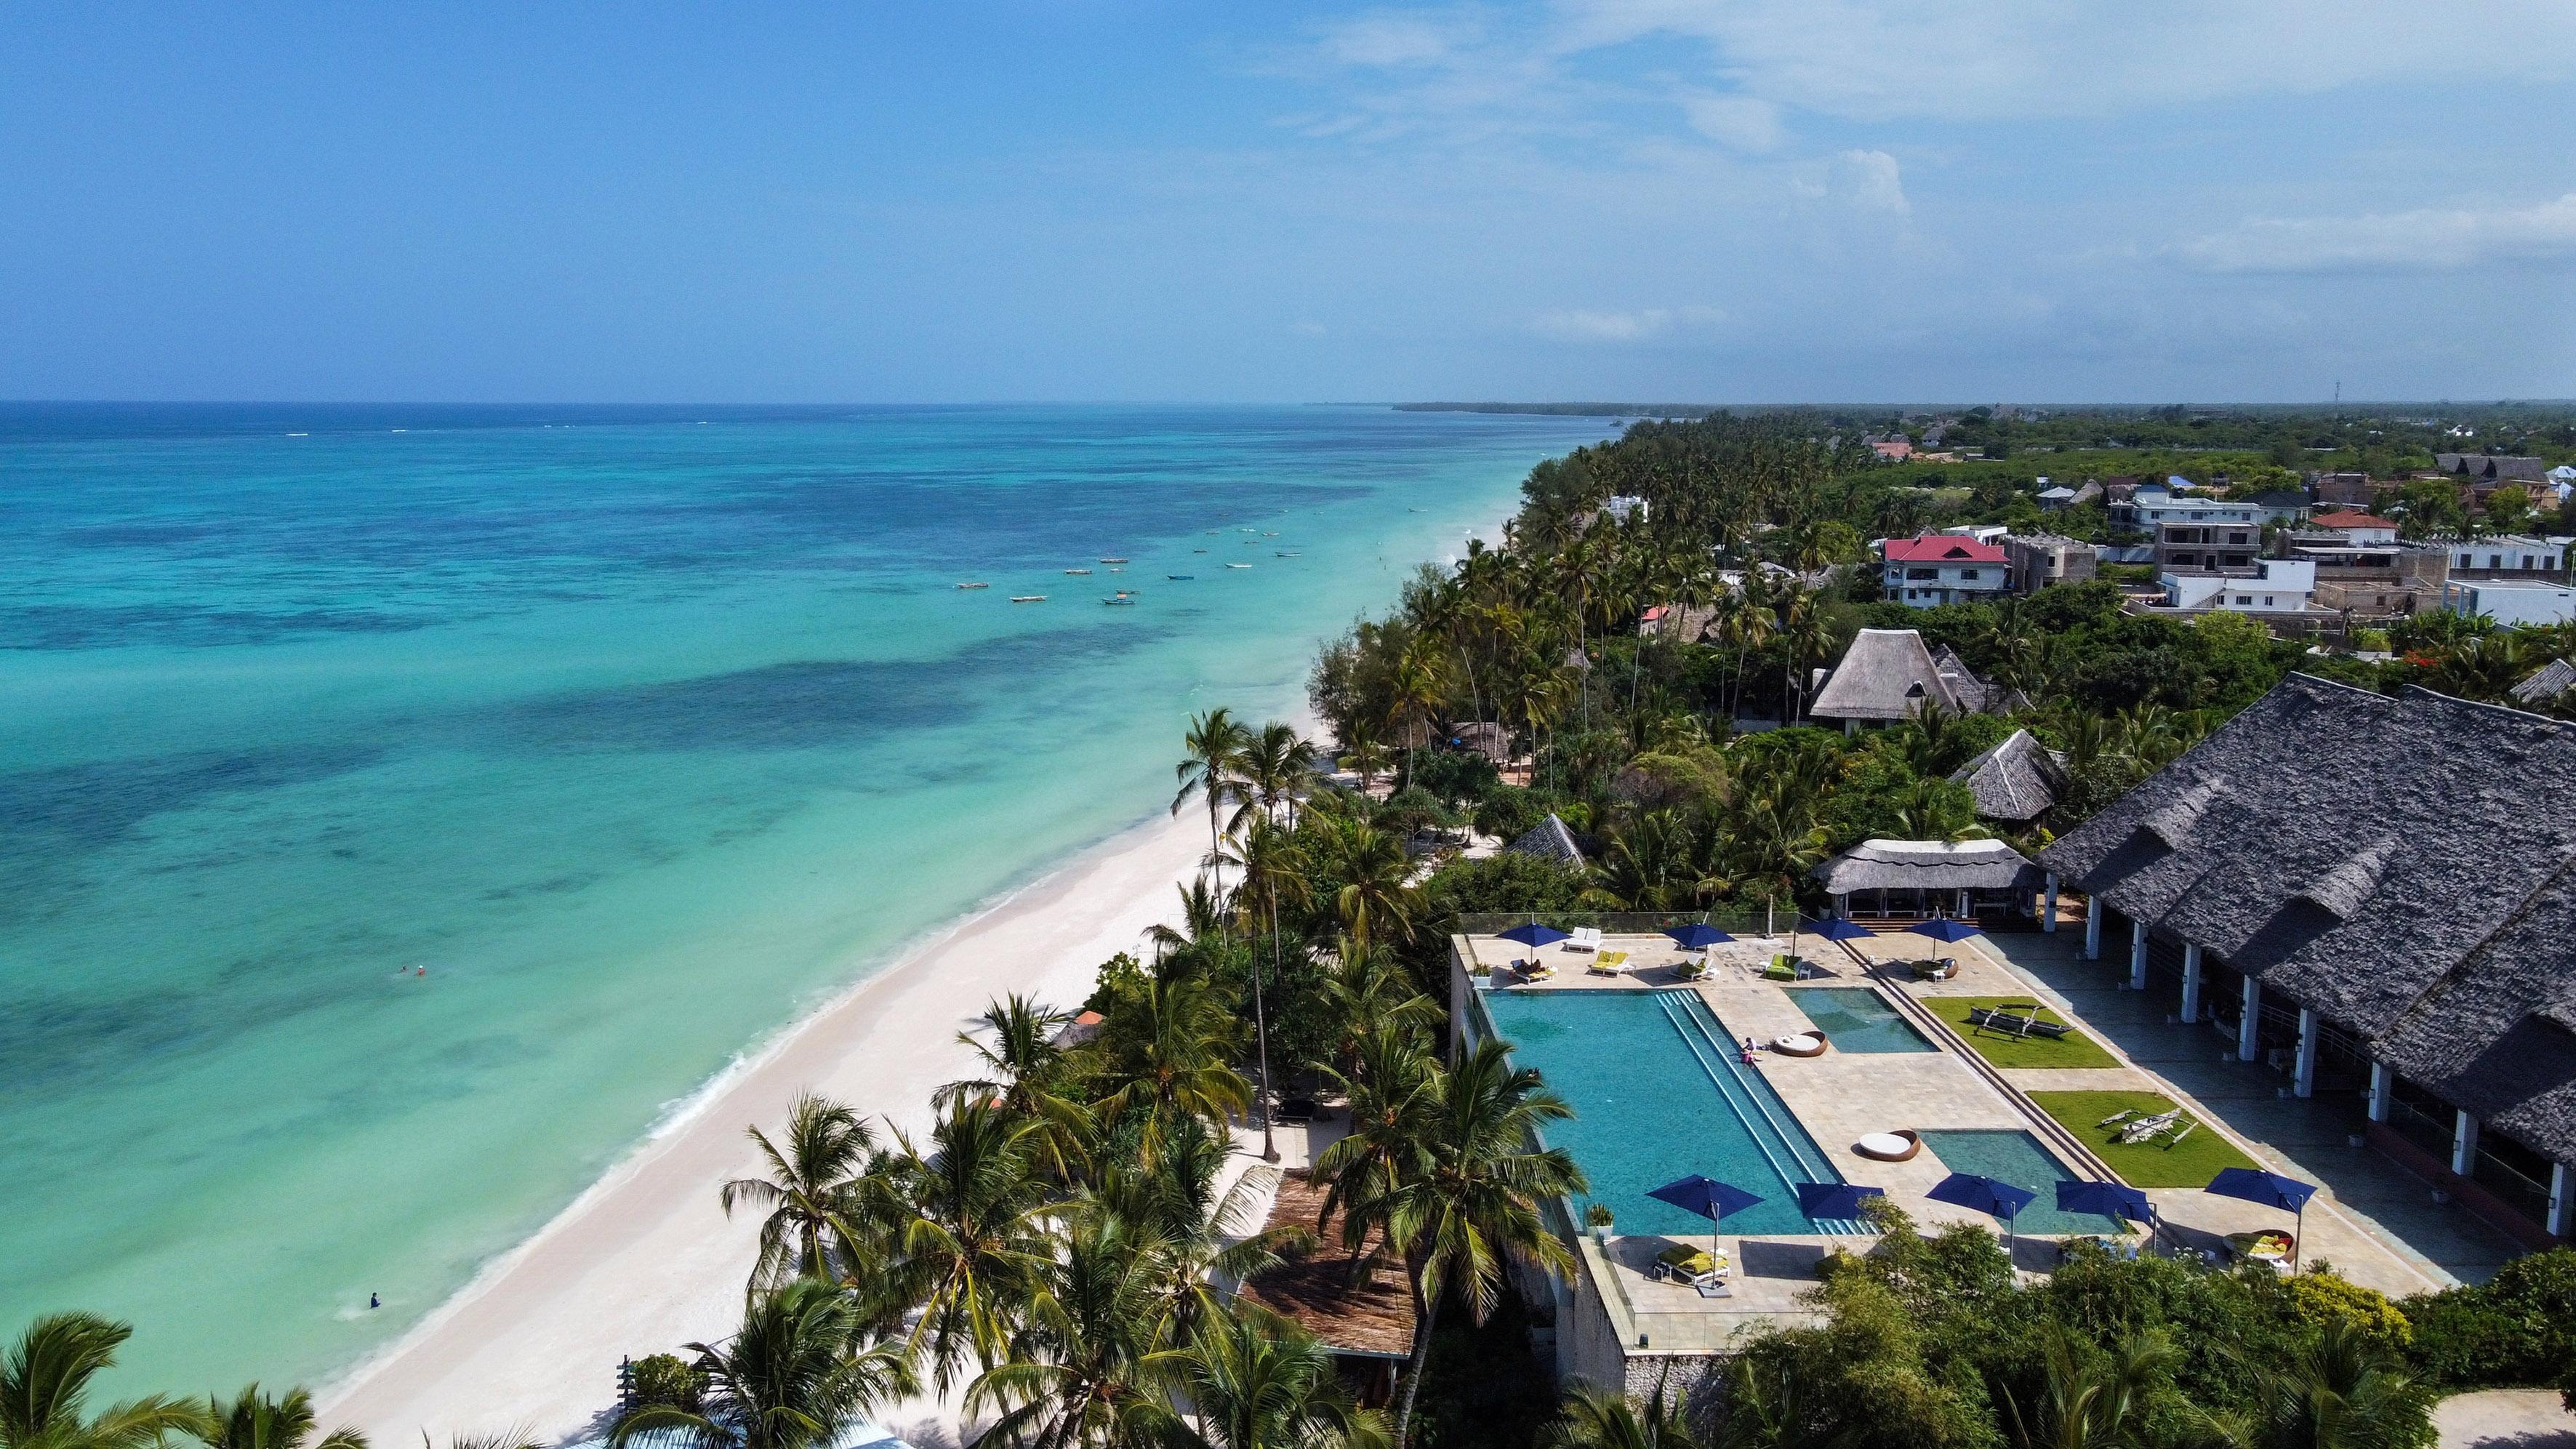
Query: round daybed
(1804, 1044)
(1897, 1146)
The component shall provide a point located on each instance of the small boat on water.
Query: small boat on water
(1180, 576)
(1118, 571)
(1119, 600)
(974, 586)
(1028, 598)
(1113, 560)
(1238, 566)
(1271, 533)
(1198, 550)
(1077, 571)
(1287, 553)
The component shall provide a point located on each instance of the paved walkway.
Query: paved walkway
(2505, 1419)
(2309, 1139)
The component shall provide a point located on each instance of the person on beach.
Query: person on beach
(374, 1302)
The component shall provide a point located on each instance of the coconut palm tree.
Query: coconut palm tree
(1211, 765)
(1078, 1373)
(1367, 985)
(1257, 1381)
(1451, 1177)
(2091, 1402)
(1271, 868)
(1170, 1048)
(1202, 917)
(2343, 1390)
(1599, 1418)
(254, 1420)
(1024, 1072)
(797, 1373)
(967, 1233)
(44, 1389)
(1205, 1238)
(1277, 764)
(810, 1193)
(1371, 892)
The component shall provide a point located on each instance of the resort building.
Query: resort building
(1888, 675)
(2477, 466)
(2506, 556)
(1937, 568)
(2016, 782)
(2375, 896)
(2210, 546)
(1356, 1304)
(1913, 879)
(2271, 586)
(2152, 504)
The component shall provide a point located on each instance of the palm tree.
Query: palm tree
(797, 1374)
(2343, 1390)
(1599, 1418)
(1202, 916)
(2091, 1405)
(1375, 897)
(1368, 985)
(1258, 1381)
(1277, 764)
(1170, 1048)
(809, 1193)
(1212, 753)
(1203, 1237)
(1453, 1180)
(253, 1420)
(1077, 1375)
(968, 1236)
(44, 1383)
(1270, 866)
(1023, 1069)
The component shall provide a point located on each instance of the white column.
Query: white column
(2562, 1200)
(2464, 1144)
(2137, 955)
(2383, 1083)
(2303, 1079)
(2093, 929)
(2048, 922)
(2190, 984)
(2249, 1017)
(1963, 905)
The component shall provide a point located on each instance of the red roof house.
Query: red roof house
(1943, 548)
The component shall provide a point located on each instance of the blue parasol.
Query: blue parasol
(1835, 928)
(1697, 936)
(1834, 1199)
(2271, 1189)
(1534, 935)
(1705, 1196)
(1988, 1195)
(2110, 1199)
(1944, 929)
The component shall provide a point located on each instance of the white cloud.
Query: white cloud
(1645, 324)
(1871, 181)
(1738, 121)
(1389, 41)
(2425, 240)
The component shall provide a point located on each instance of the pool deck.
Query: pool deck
(1840, 1097)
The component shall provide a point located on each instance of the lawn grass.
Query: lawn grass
(2192, 1164)
(2074, 1049)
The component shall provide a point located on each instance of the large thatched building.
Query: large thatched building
(1915, 878)
(1889, 675)
(2374, 895)
(2016, 782)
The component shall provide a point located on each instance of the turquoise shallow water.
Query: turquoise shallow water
(645, 730)
(1637, 1068)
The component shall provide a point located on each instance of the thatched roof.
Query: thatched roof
(1930, 865)
(1886, 675)
(1548, 840)
(2547, 682)
(2412, 883)
(1368, 1313)
(2016, 781)
(1486, 738)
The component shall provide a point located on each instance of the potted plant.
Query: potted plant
(1598, 1215)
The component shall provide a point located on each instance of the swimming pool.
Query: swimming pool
(1657, 1095)
(2016, 1157)
(1857, 1019)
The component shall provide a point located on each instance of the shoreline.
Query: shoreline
(643, 1260)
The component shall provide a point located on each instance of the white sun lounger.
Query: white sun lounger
(1585, 938)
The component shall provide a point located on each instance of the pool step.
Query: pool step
(1705, 1036)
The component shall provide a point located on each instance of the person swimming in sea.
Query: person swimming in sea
(374, 1302)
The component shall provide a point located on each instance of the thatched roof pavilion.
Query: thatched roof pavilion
(2015, 782)
(1888, 675)
(1929, 865)
(1364, 1314)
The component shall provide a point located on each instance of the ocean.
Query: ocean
(403, 810)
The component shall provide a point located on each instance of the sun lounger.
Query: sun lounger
(1690, 970)
(1782, 968)
(1941, 970)
(1698, 1267)
(1585, 938)
(2024, 1022)
(1608, 963)
(2146, 1127)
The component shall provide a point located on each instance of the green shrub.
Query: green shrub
(667, 1381)
(2321, 1295)
(2518, 1328)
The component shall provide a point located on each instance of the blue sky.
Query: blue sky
(1758, 200)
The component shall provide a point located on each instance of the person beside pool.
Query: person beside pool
(1749, 1049)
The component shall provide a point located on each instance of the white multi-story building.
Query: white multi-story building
(2511, 603)
(2506, 556)
(2276, 586)
(1940, 568)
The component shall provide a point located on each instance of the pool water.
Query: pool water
(1857, 1019)
(2016, 1157)
(1658, 1095)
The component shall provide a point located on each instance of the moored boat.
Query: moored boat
(974, 586)
(1028, 598)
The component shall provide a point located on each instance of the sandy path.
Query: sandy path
(645, 1261)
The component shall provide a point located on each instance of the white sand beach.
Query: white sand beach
(645, 1261)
